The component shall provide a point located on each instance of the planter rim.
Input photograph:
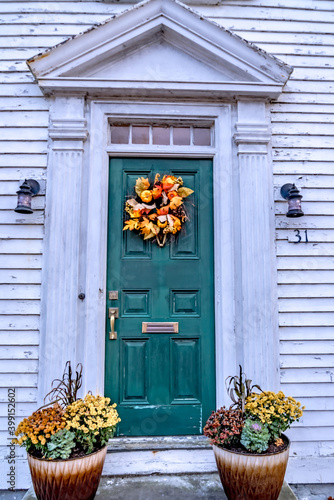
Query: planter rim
(62, 460)
(255, 454)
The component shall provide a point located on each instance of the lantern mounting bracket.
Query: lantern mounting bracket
(34, 186)
(285, 190)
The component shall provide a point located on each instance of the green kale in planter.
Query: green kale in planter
(61, 444)
(255, 436)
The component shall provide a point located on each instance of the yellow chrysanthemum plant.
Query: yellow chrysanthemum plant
(69, 426)
(276, 411)
(256, 419)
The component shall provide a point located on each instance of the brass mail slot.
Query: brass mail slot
(160, 327)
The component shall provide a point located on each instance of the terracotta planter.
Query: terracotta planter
(250, 476)
(73, 479)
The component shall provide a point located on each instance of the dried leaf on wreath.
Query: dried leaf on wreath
(184, 192)
(175, 202)
(141, 185)
(148, 227)
(131, 224)
(150, 235)
(156, 178)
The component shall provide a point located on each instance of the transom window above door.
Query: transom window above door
(161, 135)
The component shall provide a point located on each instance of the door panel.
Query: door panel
(162, 378)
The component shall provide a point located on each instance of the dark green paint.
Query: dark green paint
(163, 384)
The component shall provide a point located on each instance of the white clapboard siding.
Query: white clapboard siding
(307, 334)
(316, 277)
(306, 305)
(323, 128)
(20, 160)
(28, 291)
(293, 118)
(23, 119)
(302, 290)
(8, 379)
(18, 322)
(308, 221)
(19, 337)
(306, 318)
(309, 389)
(19, 307)
(317, 404)
(21, 276)
(22, 409)
(300, 33)
(18, 246)
(22, 395)
(307, 347)
(19, 352)
(11, 217)
(31, 104)
(22, 262)
(305, 249)
(304, 167)
(322, 433)
(308, 375)
(307, 361)
(300, 141)
(314, 449)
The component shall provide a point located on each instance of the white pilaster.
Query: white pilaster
(256, 313)
(60, 303)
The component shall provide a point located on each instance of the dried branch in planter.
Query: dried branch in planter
(67, 389)
(239, 388)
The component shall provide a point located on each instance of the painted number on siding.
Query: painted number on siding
(301, 238)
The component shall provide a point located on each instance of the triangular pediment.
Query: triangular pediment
(159, 61)
(160, 46)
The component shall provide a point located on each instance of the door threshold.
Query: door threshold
(126, 443)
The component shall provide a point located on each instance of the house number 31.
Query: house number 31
(300, 237)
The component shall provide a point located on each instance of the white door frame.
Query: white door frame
(245, 305)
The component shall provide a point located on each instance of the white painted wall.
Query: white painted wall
(299, 33)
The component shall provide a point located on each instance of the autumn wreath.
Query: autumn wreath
(157, 211)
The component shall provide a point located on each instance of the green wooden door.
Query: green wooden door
(163, 383)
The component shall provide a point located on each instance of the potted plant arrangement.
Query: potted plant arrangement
(250, 448)
(66, 440)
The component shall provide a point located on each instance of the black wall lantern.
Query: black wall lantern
(27, 190)
(291, 193)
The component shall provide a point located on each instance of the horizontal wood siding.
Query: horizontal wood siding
(23, 147)
(302, 35)
(299, 32)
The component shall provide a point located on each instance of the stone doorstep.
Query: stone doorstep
(174, 487)
(141, 456)
(158, 443)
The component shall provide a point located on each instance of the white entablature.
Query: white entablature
(160, 48)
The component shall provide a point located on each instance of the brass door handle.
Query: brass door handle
(113, 314)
